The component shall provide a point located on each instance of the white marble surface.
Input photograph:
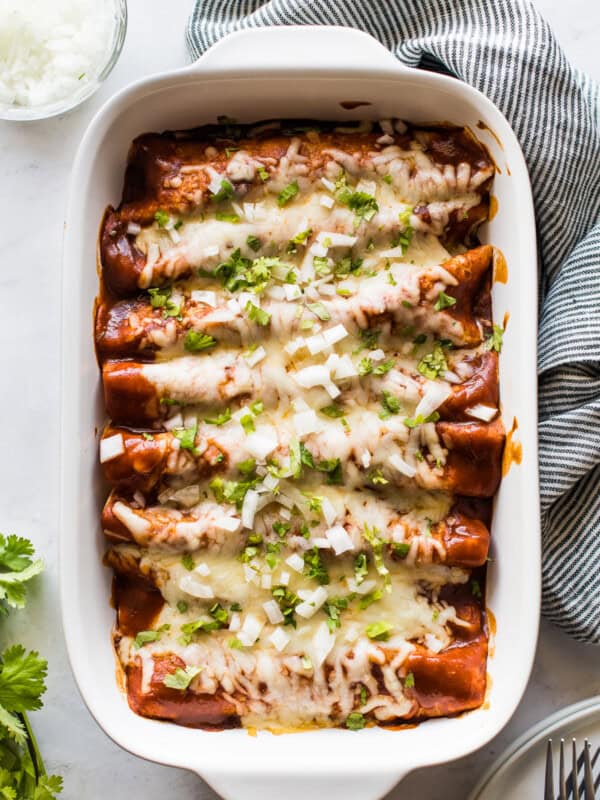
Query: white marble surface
(35, 161)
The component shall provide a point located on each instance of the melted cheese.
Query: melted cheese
(359, 336)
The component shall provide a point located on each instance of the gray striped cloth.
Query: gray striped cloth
(506, 50)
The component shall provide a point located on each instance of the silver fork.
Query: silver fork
(570, 786)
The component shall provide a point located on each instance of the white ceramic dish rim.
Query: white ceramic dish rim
(241, 766)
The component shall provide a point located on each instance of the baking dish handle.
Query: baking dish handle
(294, 786)
(309, 48)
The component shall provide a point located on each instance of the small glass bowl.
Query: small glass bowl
(25, 113)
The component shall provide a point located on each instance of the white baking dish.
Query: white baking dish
(293, 72)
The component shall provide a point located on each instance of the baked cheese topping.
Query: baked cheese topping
(307, 327)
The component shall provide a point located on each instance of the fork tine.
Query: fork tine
(588, 778)
(549, 783)
(574, 771)
(562, 786)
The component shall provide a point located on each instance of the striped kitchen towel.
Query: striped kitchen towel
(506, 50)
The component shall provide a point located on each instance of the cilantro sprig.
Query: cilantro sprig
(22, 683)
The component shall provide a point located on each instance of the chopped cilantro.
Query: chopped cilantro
(186, 437)
(355, 721)
(365, 366)
(220, 419)
(409, 680)
(380, 631)
(247, 467)
(181, 678)
(144, 637)
(475, 589)
(247, 423)
(320, 310)
(334, 411)
(384, 367)
(433, 364)
(314, 567)
(376, 477)
(400, 549)
(390, 405)
(368, 599)
(494, 342)
(421, 420)
(253, 242)
(148, 437)
(287, 602)
(444, 301)
(188, 562)
(162, 218)
(263, 173)
(222, 217)
(361, 568)
(257, 407)
(287, 194)
(257, 314)
(195, 341)
(225, 192)
(182, 606)
(333, 608)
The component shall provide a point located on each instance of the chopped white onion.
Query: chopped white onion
(365, 459)
(291, 348)
(435, 394)
(235, 622)
(250, 630)
(202, 569)
(176, 421)
(273, 612)
(292, 291)
(326, 201)
(315, 375)
(313, 603)
(482, 412)
(204, 296)
(229, 524)
(329, 511)
(266, 581)
(279, 639)
(262, 442)
(256, 356)
(339, 539)
(296, 562)
(317, 249)
(322, 645)
(111, 447)
(284, 579)
(336, 334)
(316, 344)
(306, 422)
(133, 228)
(328, 184)
(249, 508)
